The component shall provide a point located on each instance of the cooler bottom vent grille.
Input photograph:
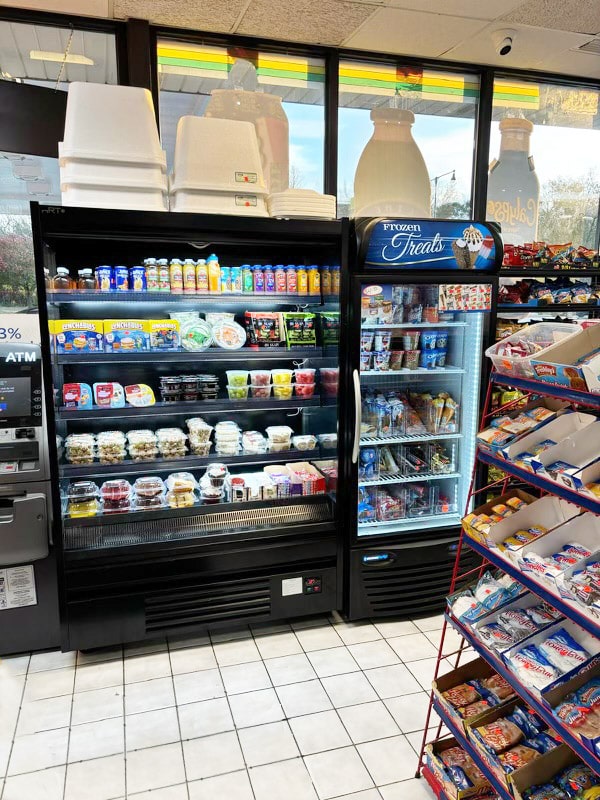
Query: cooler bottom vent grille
(241, 600)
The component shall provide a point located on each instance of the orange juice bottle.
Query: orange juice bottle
(314, 280)
(302, 280)
(214, 274)
(202, 276)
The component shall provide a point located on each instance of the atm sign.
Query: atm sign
(15, 357)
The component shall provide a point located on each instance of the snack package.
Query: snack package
(490, 593)
(563, 651)
(109, 395)
(517, 622)
(139, 395)
(164, 334)
(126, 335)
(542, 614)
(462, 695)
(264, 329)
(517, 757)
(577, 778)
(499, 735)
(77, 395)
(496, 637)
(497, 686)
(330, 327)
(532, 667)
(78, 335)
(300, 330)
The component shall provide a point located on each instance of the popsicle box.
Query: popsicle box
(558, 364)
(589, 642)
(583, 528)
(467, 672)
(555, 696)
(549, 512)
(433, 760)
(578, 451)
(556, 430)
(523, 601)
(486, 508)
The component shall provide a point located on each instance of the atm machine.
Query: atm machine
(29, 616)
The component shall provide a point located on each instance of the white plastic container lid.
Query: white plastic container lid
(217, 154)
(115, 123)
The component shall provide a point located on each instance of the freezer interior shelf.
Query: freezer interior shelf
(413, 373)
(398, 477)
(401, 325)
(414, 439)
(154, 527)
(188, 299)
(428, 521)
(212, 354)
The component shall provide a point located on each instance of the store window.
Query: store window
(544, 179)
(406, 139)
(50, 57)
(283, 94)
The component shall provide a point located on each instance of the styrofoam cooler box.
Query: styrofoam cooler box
(205, 202)
(111, 123)
(556, 430)
(90, 170)
(581, 450)
(548, 333)
(141, 198)
(583, 529)
(548, 511)
(219, 155)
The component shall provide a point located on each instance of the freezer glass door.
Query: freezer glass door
(419, 375)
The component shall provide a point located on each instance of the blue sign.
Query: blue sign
(429, 244)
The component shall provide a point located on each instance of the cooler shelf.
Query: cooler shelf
(546, 272)
(527, 696)
(400, 325)
(212, 354)
(584, 501)
(386, 480)
(191, 299)
(413, 373)
(414, 439)
(384, 527)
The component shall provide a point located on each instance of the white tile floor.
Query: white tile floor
(315, 710)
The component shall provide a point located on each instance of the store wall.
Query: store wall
(326, 100)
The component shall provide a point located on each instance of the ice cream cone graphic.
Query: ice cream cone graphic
(474, 240)
(461, 254)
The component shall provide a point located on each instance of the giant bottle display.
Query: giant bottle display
(391, 177)
(266, 113)
(513, 187)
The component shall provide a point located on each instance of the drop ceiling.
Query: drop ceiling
(548, 32)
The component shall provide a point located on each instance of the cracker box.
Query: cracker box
(574, 363)
(126, 335)
(164, 334)
(78, 335)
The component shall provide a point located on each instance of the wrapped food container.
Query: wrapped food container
(142, 445)
(116, 496)
(199, 429)
(171, 442)
(279, 433)
(253, 442)
(181, 499)
(283, 376)
(328, 441)
(112, 447)
(181, 482)
(282, 391)
(80, 448)
(149, 492)
(305, 442)
(83, 499)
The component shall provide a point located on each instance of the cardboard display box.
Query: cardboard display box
(489, 758)
(565, 591)
(551, 403)
(486, 508)
(523, 601)
(557, 364)
(433, 752)
(556, 430)
(556, 696)
(542, 770)
(581, 450)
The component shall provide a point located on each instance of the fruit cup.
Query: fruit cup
(305, 375)
(237, 377)
(282, 376)
(237, 392)
(282, 391)
(260, 377)
(305, 389)
(260, 392)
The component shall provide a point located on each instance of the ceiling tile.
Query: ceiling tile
(326, 22)
(532, 47)
(578, 16)
(203, 15)
(87, 8)
(395, 30)
(459, 8)
(572, 63)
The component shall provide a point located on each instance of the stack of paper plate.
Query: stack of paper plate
(301, 203)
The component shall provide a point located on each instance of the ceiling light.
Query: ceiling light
(69, 58)
(39, 187)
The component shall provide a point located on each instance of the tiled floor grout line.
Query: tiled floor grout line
(187, 788)
(14, 733)
(235, 727)
(69, 733)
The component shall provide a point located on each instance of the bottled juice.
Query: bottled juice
(291, 278)
(302, 275)
(214, 274)
(151, 274)
(236, 279)
(269, 279)
(202, 276)
(86, 280)
(258, 277)
(189, 275)
(335, 279)
(314, 281)
(247, 279)
(176, 275)
(325, 280)
(61, 281)
(164, 283)
(225, 279)
(280, 279)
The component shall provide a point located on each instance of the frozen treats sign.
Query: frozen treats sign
(428, 244)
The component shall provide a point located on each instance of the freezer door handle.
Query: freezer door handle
(357, 415)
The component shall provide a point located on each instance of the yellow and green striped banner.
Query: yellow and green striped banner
(216, 62)
(360, 77)
(508, 94)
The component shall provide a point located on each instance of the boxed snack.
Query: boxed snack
(307, 477)
(514, 354)
(511, 426)
(77, 395)
(282, 478)
(529, 523)
(126, 335)
(164, 334)
(514, 622)
(78, 335)
(575, 705)
(546, 777)
(568, 544)
(565, 461)
(478, 523)
(264, 328)
(329, 468)
(573, 362)
(455, 770)
(109, 395)
(553, 656)
(470, 690)
(300, 330)
(525, 449)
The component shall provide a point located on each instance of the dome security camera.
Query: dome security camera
(503, 41)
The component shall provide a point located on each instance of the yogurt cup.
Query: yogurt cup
(382, 340)
(366, 341)
(365, 362)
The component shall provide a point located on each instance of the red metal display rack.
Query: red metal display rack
(491, 559)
